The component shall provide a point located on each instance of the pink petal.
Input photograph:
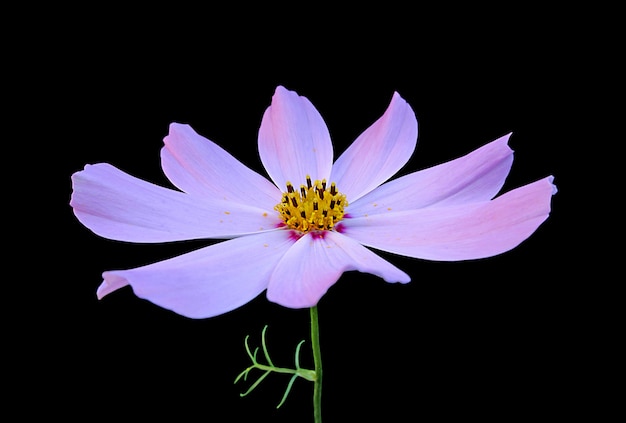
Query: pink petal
(477, 176)
(459, 232)
(201, 168)
(294, 141)
(118, 206)
(378, 153)
(209, 281)
(316, 261)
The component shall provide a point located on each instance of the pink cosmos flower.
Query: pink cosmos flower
(296, 235)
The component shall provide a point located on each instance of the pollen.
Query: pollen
(313, 207)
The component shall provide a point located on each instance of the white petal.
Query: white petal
(378, 153)
(477, 176)
(201, 168)
(316, 261)
(209, 281)
(459, 232)
(118, 206)
(294, 141)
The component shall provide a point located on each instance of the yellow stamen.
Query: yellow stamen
(313, 208)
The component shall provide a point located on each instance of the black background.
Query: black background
(492, 339)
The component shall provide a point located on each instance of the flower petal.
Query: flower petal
(459, 232)
(379, 152)
(477, 176)
(201, 168)
(209, 281)
(118, 206)
(294, 141)
(316, 261)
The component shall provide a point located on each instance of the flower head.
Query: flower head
(295, 235)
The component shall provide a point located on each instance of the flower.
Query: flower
(295, 236)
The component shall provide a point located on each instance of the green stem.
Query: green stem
(317, 359)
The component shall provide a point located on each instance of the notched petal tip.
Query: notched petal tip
(281, 94)
(81, 176)
(178, 129)
(551, 181)
(397, 98)
(504, 139)
(176, 126)
(280, 89)
(111, 282)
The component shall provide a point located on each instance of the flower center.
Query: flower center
(313, 208)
